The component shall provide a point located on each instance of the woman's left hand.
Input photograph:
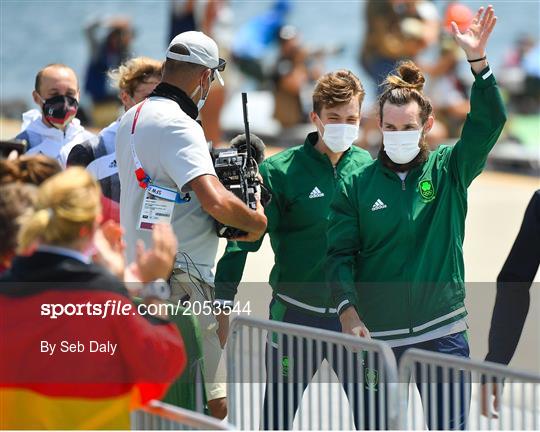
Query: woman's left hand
(474, 40)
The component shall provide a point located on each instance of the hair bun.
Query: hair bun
(410, 73)
(408, 76)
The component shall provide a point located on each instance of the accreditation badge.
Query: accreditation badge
(154, 210)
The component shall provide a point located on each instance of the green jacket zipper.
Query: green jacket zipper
(409, 285)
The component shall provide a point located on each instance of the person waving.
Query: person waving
(395, 241)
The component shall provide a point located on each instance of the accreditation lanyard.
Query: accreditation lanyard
(145, 182)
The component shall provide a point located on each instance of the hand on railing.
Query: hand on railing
(352, 324)
(490, 409)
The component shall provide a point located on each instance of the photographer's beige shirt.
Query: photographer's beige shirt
(173, 151)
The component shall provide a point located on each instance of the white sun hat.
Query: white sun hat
(200, 49)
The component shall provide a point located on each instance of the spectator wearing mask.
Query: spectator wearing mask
(75, 389)
(135, 80)
(53, 129)
(395, 239)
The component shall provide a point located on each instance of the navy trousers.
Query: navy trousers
(291, 364)
(438, 407)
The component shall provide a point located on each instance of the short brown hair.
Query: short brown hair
(134, 72)
(404, 87)
(336, 88)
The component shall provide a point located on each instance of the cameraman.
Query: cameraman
(162, 156)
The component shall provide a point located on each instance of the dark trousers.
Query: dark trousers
(438, 388)
(291, 364)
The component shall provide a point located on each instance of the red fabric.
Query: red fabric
(136, 118)
(149, 356)
(110, 210)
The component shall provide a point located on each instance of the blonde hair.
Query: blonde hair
(336, 88)
(405, 87)
(66, 202)
(135, 71)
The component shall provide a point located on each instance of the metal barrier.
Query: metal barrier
(450, 392)
(161, 416)
(271, 364)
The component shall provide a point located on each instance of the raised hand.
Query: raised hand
(110, 247)
(474, 40)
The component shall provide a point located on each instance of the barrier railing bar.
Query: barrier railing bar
(178, 415)
(482, 367)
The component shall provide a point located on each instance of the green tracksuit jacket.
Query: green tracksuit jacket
(302, 181)
(395, 248)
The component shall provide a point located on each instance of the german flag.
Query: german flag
(80, 371)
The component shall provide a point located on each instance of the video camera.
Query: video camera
(237, 169)
(8, 146)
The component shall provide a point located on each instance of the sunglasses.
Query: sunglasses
(221, 65)
(220, 68)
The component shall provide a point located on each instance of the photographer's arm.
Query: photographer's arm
(187, 162)
(224, 206)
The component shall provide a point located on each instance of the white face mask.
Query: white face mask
(202, 100)
(402, 146)
(339, 137)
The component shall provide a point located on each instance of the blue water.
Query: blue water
(34, 33)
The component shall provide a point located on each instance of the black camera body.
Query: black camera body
(238, 174)
(7, 146)
(238, 170)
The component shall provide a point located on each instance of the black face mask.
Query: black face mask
(60, 110)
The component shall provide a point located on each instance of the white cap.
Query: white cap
(202, 50)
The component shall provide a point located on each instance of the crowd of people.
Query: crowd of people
(369, 247)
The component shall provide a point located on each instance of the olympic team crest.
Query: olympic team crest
(371, 379)
(426, 190)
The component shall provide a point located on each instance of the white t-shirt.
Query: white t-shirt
(173, 151)
(402, 174)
